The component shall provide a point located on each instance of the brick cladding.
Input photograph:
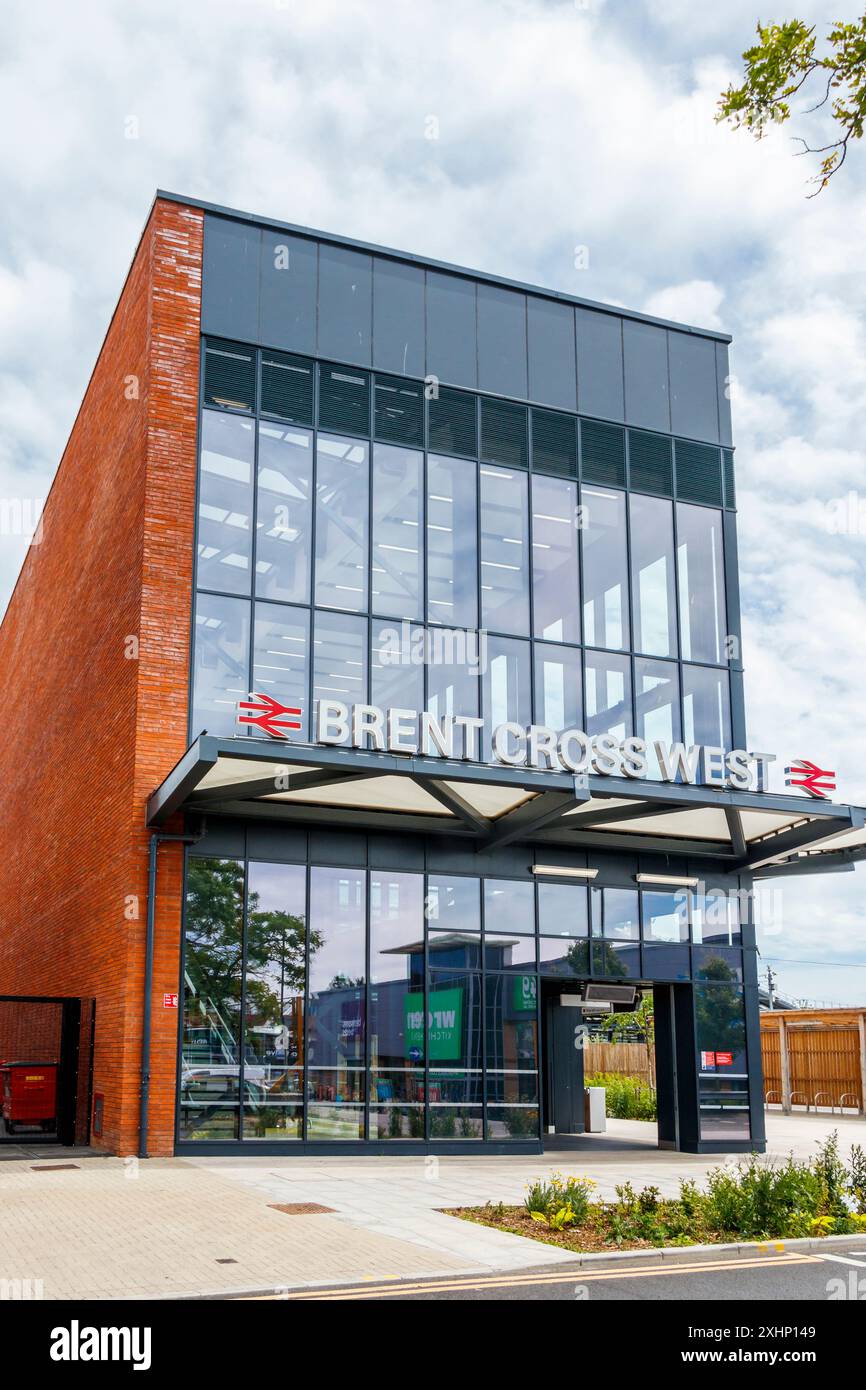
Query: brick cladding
(94, 669)
(30, 1032)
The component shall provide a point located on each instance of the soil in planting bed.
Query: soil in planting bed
(593, 1235)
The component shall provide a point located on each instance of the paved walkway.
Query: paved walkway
(112, 1228)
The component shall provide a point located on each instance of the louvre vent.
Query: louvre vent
(602, 453)
(503, 434)
(699, 473)
(229, 374)
(398, 408)
(650, 463)
(287, 387)
(730, 487)
(344, 400)
(451, 424)
(554, 443)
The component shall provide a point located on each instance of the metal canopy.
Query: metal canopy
(495, 805)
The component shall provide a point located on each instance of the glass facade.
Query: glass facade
(564, 601)
(327, 1003)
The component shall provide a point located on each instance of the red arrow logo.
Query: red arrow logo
(269, 714)
(813, 779)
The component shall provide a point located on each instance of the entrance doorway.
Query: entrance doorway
(46, 1048)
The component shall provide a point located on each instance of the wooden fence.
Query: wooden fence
(622, 1058)
(811, 1059)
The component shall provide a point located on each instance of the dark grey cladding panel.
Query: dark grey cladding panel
(281, 843)
(552, 372)
(230, 279)
(645, 358)
(694, 397)
(599, 364)
(288, 291)
(223, 839)
(723, 391)
(401, 852)
(338, 847)
(345, 304)
(501, 341)
(452, 352)
(398, 317)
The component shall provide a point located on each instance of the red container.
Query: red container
(29, 1094)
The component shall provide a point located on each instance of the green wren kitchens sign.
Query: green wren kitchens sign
(444, 1024)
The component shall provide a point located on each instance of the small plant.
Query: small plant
(627, 1097)
(559, 1201)
(856, 1178)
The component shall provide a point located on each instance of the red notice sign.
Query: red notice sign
(169, 1001)
(708, 1059)
(724, 1059)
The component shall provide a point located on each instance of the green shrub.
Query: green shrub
(559, 1201)
(627, 1097)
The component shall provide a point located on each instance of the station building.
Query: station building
(375, 717)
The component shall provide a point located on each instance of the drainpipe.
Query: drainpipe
(155, 841)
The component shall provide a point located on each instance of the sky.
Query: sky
(502, 135)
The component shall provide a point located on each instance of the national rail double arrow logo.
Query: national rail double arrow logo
(268, 714)
(814, 780)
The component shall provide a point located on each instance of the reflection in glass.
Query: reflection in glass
(666, 916)
(504, 551)
(615, 913)
(453, 1029)
(396, 578)
(453, 903)
(605, 568)
(283, 512)
(512, 1035)
(452, 542)
(565, 958)
(342, 522)
(652, 559)
(280, 657)
(706, 706)
(701, 572)
(716, 918)
(220, 663)
(453, 674)
(563, 909)
(213, 972)
(558, 701)
(721, 1042)
(336, 1025)
(453, 950)
(657, 700)
(339, 658)
(396, 969)
(225, 506)
(608, 694)
(509, 906)
(396, 675)
(507, 689)
(556, 585)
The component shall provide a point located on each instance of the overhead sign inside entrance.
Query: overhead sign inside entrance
(532, 746)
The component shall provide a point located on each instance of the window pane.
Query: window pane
(396, 579)
(453, 676)
(396, 970)
(512, 1029)
(339, 658)
(507, 688)
(665, 916)
(337, 966)
(504, 551)
(563, 909)
(706, 706)
(559, 957)
(716, 918)
(721, 1027)
(558, 698)
(221, 663)
(342, 512)
(225, 505)
(283, 512)
(397, 675)
(452, 542)
(605, 570)
(652, 558)
(657, 700)
(453, 950)
(701, 583)
(280, 656)
(453, 903)
(615, 914)
(453, 1027)
(556, 591)
(509, 906)
(608, 695)
(274, 1001)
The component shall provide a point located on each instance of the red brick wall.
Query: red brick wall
(30, 1032)
(93, 682)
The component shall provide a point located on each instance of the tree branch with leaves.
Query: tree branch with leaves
(782, 64)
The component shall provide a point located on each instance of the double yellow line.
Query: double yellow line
(400, 1288)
